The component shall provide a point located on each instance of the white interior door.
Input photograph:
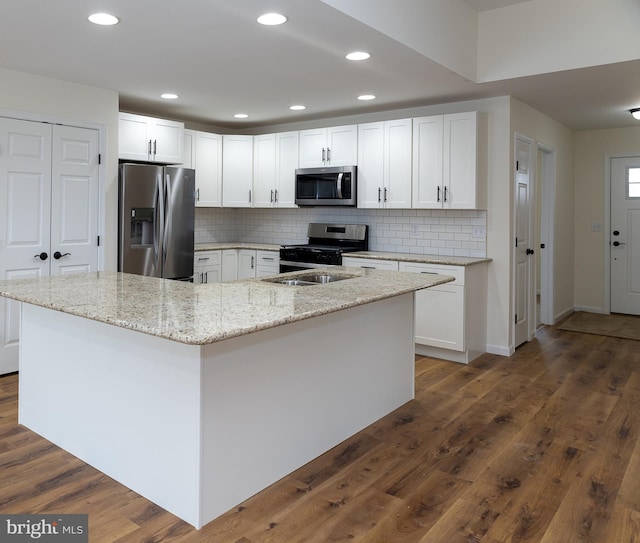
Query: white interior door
(625, 235)
(523, 286)
(49, 199)
(74, 200)
(25, 195)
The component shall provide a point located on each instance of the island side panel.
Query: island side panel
(122, 401)
(276, 399)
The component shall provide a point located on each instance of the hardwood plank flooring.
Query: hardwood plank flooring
(541, 447)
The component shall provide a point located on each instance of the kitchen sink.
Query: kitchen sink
(308, 280)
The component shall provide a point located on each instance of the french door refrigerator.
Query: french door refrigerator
(156, 208)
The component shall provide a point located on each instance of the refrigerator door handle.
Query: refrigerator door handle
(158, 244)
(167, 220)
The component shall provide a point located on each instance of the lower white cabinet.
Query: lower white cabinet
(450, 319)
(355, 262)
(247, 263)
(268, 263)
(207, 267)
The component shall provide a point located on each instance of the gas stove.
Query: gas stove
(327, 243)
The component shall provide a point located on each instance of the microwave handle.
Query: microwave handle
(339, 185)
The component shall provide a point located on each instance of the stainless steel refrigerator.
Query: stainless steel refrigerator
(157, 213)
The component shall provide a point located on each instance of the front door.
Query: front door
(624, 236)
(49, 208)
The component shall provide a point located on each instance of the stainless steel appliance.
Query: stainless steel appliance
(157, 213)
(335, 186)
(327, 243)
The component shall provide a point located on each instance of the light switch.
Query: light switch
(479, 232)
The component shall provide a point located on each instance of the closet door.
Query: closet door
(74, 200)
(49, 181)
(25, 189)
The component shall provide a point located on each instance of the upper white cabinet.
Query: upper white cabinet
(150, 139)
(203, 153)
(445, 161)
(275, 159)
(384, 164)
(333, 146)
(237, 170)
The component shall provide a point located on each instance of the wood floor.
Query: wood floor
(539, 447)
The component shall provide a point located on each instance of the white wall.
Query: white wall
(542, 129)
(60, 101)
(542, 36)
(591, 149)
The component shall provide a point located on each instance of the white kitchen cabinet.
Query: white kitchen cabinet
(268, 263)
(376, 264)
(445, 162)
(203, 153)
(229, 265)
(384, 164)
(275, 159)
(333, 146)
(237, 170)
(149, 139)
(207, 267)
(450, 319)
(246, 263)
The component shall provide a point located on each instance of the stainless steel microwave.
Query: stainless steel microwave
(333, 186)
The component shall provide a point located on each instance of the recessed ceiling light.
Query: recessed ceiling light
(298, 108)
(103, 19)
(169, 96)
(635, 112)
(358, 55)
(272, 19)
(367, 97)
(241, 115)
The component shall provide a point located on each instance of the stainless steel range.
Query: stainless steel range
(327, 243)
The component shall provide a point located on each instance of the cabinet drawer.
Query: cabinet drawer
(268, 259)
(208, 258)
(440, 269)
(378, 264)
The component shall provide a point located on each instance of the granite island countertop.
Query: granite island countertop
(202, 314)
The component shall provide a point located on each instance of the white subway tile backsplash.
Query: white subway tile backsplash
(439, 231)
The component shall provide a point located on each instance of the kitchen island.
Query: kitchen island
(199, 396)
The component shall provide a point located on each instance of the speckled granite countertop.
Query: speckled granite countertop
(202, 314)
(236, 245)
(422, 259)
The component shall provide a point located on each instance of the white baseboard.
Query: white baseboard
(588, 309)
(500, 350)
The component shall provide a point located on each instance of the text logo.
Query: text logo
(44, 528)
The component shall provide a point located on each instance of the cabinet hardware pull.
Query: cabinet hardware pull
(271, 195)
(197, 195)
(155, 148)
(276, 193)
(429, 273)
(385, 194)
(438, 195)
(252, 262)
(249, 195)
(324, 155)
(149, 148)
(206, 277)
(202, 258)
(328, 155)
(445, 194)
(379, 190)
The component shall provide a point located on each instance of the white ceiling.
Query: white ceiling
(214, 55)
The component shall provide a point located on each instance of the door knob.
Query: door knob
(41, 256)
(616, 232)
(618, 243)
(57, 255)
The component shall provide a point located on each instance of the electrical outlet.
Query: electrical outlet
(596, 227)
(415, 232)
(479, 232)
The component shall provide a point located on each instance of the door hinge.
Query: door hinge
(517, 165)
(98, 241)
(516, 242)
(515, 321)
(99, 158)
